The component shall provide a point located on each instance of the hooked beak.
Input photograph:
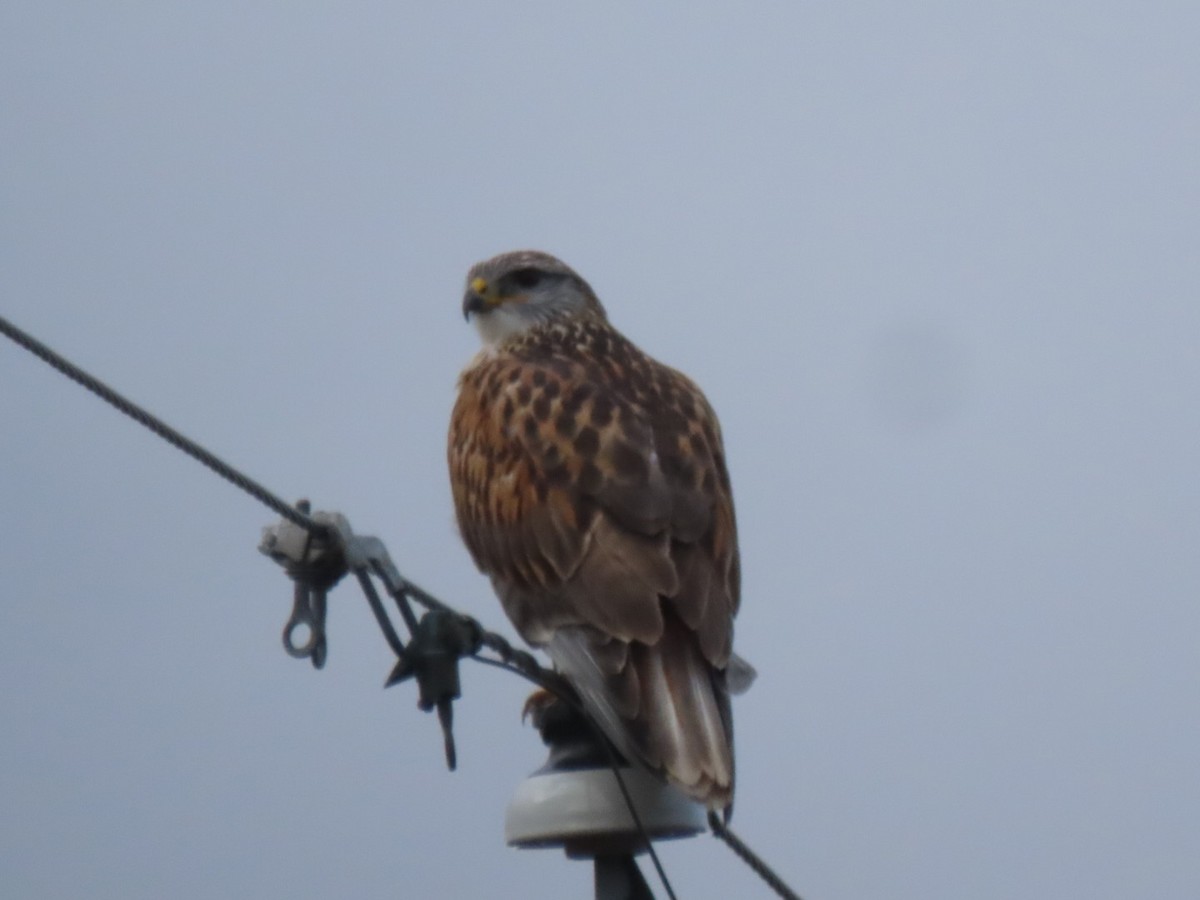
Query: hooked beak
(473, 303)
(477, 299)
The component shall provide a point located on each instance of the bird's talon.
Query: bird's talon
(536, 705)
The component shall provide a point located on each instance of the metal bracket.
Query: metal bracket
(441, 640)
(316, 561)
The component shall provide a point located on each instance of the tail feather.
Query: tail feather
(662, 705)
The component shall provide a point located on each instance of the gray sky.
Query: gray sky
(935, 265)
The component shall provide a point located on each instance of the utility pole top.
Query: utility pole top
(576, 802)
(584, 812)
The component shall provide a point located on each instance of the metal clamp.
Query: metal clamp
(317, 559)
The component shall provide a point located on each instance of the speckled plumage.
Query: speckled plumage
(590, 484)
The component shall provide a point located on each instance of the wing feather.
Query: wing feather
(594, 493)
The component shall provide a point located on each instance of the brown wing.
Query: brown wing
(594, 493)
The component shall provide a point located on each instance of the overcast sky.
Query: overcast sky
(936, 266)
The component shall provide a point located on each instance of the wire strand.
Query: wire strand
(750, 858)
(159, 427)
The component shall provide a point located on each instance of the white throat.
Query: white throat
(500, 324)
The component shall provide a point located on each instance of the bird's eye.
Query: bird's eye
(526, 278)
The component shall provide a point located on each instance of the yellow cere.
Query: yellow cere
(479, 286)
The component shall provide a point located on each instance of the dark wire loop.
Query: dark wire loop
(381, 616)
(400, 596)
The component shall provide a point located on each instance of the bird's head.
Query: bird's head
(512, 292)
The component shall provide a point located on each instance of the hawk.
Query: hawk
(590, 485)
